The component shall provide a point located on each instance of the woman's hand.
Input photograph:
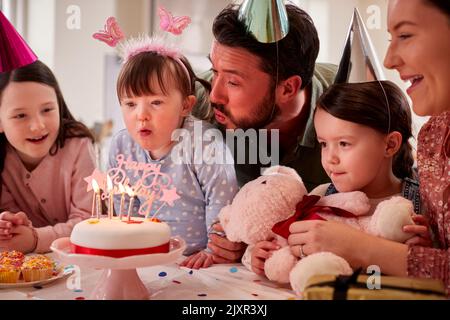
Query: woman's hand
(421, 230)
(314, 236)
(260, 253)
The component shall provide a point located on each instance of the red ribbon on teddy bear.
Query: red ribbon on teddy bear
(308, 210)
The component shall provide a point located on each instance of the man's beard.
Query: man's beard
(265, 112)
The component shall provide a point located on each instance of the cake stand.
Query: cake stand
(120, 280)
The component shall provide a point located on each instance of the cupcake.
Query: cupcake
(12, 257)
(37, 268)
(9, 274)
(13, 254)
(6, 261)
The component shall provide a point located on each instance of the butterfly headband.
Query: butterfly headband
(113, 35)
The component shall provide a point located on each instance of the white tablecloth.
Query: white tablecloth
(167, 282)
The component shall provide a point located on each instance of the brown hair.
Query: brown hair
(442, 5)
(297, 52)
(68, 128)
(365, 104)
(136, 74)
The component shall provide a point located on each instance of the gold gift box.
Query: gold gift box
(328, 287)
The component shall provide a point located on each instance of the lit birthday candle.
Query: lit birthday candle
(122, 199)
(150, 200)
(97, 197)
(110, 189)
(130, 192)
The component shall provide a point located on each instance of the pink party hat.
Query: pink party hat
(14, 52)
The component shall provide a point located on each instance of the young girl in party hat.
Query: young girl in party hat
(156, 88)
(44, 156)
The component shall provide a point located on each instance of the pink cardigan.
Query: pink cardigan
(54, 194)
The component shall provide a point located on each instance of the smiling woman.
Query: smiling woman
(419, 51)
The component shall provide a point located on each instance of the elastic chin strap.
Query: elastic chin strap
(272, 113)
(387, 106)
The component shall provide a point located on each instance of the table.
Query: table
(168, 282)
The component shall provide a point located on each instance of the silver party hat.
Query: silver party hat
(265, 19)
(359, 62)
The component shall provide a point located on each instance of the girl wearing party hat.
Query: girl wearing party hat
(45, 154)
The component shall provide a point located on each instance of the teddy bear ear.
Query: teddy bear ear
(282, 170)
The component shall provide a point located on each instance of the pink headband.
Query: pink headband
(112, 35)
(134, 46)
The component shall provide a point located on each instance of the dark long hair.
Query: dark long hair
(68, 126)
(297, 52)
(365, 104)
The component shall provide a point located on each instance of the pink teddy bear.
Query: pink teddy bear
(273, 198)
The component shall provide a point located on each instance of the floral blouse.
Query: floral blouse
(433, 156)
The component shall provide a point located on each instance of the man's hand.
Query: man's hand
(198, 260)
(225, 251)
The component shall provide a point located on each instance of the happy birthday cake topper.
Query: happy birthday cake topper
(149, 183)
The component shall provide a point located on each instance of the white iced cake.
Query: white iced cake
(120, 238)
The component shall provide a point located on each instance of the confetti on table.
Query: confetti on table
(254, 294)
(233, 270)
(77, 290)
(202, 294)
(80, 298)
(256, 280)
(162, 274)
(191, 272)
(175, 281)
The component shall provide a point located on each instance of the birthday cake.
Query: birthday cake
(119, 237)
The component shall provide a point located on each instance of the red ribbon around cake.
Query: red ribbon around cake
(164, 248)
(308, 210)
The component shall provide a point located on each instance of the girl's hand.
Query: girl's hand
(198, 260)
(260, 253)
(8, 220)
(421, 230)
(23, 239)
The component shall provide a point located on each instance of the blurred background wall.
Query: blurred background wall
(60, 32)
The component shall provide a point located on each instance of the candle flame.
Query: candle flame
(121, 188)
(95, 186)
(129, 191)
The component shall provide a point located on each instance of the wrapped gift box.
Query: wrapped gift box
(332, 287)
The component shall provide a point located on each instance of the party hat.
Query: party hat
(359, 62)
(265, 19)
(14, 52)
